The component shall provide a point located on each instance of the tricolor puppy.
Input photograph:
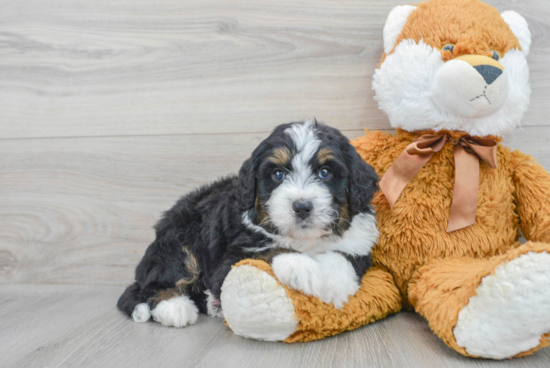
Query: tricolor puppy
(300, 202)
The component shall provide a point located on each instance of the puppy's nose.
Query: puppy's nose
(302, 208)
(488, 72)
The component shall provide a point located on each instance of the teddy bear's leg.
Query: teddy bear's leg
(495, 308)
(256, 305)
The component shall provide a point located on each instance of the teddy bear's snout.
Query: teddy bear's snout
(470, 86)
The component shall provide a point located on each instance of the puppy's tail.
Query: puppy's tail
(132, 296)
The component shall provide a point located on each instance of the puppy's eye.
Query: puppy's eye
(325, 173)
(278, 175)
(448, 47)
(496, 55)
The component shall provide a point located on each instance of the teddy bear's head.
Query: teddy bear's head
(454, 65)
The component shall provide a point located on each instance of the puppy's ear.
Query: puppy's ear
(246, 186)
(362, 183)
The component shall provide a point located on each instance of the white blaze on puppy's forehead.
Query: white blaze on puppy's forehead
(307, 144)
(303, 134)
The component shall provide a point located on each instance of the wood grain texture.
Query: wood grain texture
(112, 109)
(135, 67)
(81, 210)
(78, 326)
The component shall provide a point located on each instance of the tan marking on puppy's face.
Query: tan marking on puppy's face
(324, 155)
(263, 217)
(344, 221)
(281, 156)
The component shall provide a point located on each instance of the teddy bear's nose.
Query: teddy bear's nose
(488, 72)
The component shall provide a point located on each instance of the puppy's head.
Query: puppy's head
(305, 181)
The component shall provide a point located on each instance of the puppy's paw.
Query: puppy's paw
(176, 312)
(328, 276)
(141, 313)
(213, 305)
(342, 281)
(300, 272)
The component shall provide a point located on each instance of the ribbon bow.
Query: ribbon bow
(467, 153)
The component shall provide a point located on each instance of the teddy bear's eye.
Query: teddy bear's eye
(448, 47)
(496, 55)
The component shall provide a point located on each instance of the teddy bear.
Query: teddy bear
(453, 202)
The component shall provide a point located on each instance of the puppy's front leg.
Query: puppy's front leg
(328, 276)
(301, 272)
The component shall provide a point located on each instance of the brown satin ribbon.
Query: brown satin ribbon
(467, 153)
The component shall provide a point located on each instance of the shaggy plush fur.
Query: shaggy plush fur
(445, 289)
(421, 86)
(508, 314)
(517, 192)
(481, 291)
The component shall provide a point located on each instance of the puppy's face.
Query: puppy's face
(304, 175)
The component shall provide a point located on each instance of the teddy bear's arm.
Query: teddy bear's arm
(532, 196)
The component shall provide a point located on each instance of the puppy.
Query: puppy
(300, 202)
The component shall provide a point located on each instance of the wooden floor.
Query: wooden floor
(74, 326)
(112, 109)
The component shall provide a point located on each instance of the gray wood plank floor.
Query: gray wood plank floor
(94, 68)
(78, 326)
(112, 109)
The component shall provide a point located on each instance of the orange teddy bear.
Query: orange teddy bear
(453, 79)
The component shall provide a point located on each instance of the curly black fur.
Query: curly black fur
(203, 235)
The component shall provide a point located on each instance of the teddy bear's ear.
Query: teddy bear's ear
(394, 25)
(519, 26)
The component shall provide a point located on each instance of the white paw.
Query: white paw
(510, 312)
(328, 276)
(342, 281)
(300, 272)
(141, 313)
(213, 306)
(176, 312)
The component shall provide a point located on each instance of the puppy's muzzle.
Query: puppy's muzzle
(302, 208)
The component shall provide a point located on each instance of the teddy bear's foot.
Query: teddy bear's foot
(491, 308)
(256, 305)
(511, 312)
